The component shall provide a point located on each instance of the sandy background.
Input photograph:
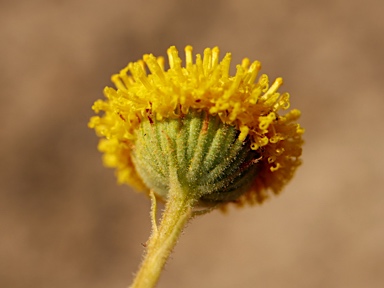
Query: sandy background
(65, 223)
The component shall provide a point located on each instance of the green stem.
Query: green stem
(178, 211)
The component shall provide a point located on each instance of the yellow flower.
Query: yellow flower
(147, 91)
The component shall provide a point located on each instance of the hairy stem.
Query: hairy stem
(178, 211)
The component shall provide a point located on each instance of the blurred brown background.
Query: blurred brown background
(65, 223)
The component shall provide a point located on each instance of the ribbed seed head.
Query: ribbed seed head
(212, 164)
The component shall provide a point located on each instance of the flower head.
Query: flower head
(149, 93)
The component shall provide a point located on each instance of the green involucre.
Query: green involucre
(211, 162)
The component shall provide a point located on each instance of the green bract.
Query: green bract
(212, 164)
